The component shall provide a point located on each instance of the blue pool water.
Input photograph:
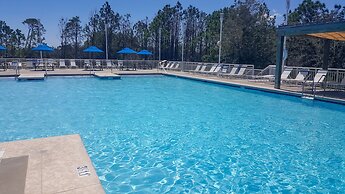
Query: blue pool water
(169, 135)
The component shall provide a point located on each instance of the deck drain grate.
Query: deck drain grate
(83, 171)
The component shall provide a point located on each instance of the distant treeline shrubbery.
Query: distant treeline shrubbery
(249, 34)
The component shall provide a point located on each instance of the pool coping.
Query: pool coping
(54, 165)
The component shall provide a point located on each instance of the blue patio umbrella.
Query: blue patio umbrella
(43, 48)
(144, 52)
(126, 51)
(2, 48)
(92, 49)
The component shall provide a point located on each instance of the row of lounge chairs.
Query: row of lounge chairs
(221, 70)
(88, 64)
(216, 69)
(170, 65)
(304, 77)
(62, 64)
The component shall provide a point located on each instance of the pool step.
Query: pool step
(31, 76)
(107, 75)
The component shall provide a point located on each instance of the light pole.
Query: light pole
(220, 36)
(183, 37)
(159, 45)
(106, 39)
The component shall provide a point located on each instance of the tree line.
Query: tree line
(249, 34)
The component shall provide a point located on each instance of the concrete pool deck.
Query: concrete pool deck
(53, 166)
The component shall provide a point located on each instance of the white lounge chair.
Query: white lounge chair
(240, 72)
(109, 64)
(51, 64)
(176, 66)
(120, 64)
(215, 70)
(163, 64)
(299, 78)
(171, 65)
(62, 64)
(318, 78)
(197, 68)
(210, 70)
(40, 64)
(98, 65)
(166, 65)
(73, 65)
(232, 72)
(87, 64)
(14, 65)
(225, 69)
(286, 73)
(203, 68)
(218, 68)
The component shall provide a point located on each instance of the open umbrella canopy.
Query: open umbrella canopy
(126, 51)
(144, 52)
(2, 48)
(93, 49)
(43, 47)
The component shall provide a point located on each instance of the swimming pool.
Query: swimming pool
(165, 134)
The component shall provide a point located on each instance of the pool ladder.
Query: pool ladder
(306, 95)
(313, 89)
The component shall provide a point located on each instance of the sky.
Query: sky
(14, 12)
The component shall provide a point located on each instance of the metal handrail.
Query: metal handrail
(313, 84)
(305, 80)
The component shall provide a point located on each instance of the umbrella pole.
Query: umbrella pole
(45, 64)
(92, 62)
